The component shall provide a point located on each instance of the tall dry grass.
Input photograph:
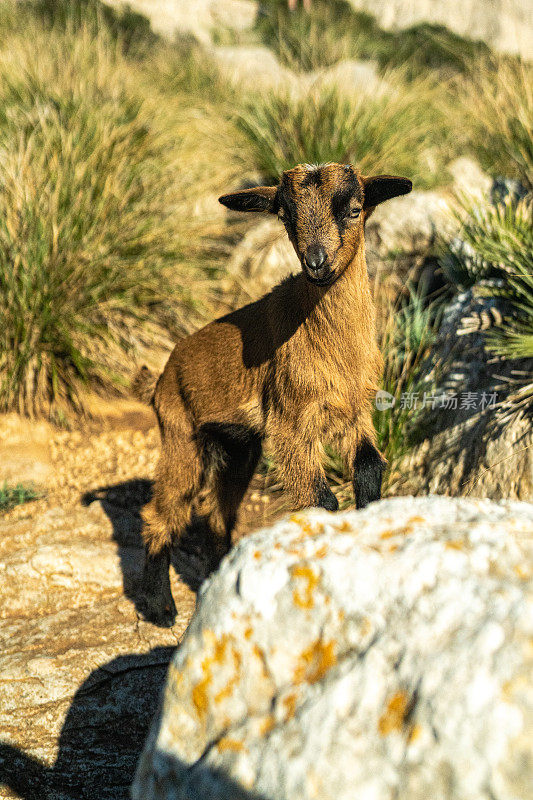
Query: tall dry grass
(96, 262)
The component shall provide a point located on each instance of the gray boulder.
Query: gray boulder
(377, 654)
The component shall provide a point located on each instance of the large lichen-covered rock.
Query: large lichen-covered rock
(377, 654)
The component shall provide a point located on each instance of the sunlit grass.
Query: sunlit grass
(496, 113)
(397, 129)
(96, 266)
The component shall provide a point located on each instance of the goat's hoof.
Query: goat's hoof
(160, 611)
(325, 497)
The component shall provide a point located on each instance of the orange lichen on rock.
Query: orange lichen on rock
(453, 544)
(344, 527)
(226, 743)
(267, 724)
(220, 647)
(289, 703)
(305, 599)
(321, 552)
(394, 715)
(414, 733)
(315, 662)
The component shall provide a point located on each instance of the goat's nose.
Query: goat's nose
(315, 256)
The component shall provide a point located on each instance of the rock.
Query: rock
(469, 179)
(196, 17)
(408, 224)
(346, 75)
(253, 67)
(470, 445)
(376, 654)
(261, 260)
(68, 621)
(506, 25)
(24, 451)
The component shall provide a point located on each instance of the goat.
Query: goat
(298, 366)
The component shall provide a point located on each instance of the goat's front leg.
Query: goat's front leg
(299, 462)
(365, 462)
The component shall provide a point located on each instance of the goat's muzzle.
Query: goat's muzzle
(316, 266)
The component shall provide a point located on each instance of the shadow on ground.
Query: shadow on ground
(123, 503)
(102, 738)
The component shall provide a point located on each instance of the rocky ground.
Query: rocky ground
(80, 669)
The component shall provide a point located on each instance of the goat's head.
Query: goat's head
(323, 209)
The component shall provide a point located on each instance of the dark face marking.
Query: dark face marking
(340, 202)
(314, 178)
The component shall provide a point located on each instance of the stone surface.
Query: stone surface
(506, 25)
(472, 446)
(377, 654)
(252, 67)
(409, 224)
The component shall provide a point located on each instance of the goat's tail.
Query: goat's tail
(143, 385)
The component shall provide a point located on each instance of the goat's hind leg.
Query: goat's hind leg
(235, 450)
(166, 517)
(156, 602)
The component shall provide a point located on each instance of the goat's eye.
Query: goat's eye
(353, 213)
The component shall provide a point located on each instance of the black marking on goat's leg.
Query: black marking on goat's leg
(157, 603)
(324, 496)
(368, 469)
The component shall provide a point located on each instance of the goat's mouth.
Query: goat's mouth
(322, 276)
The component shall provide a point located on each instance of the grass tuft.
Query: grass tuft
(395, 130)
(11, 496)
(92, 241)
(333, 30)
(497, 114)
(405, 342)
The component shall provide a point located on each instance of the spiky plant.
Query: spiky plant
(498, 250)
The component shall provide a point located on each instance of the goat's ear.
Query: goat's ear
(259, 198)
(379, 188)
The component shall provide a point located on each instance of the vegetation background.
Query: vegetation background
(113, 143)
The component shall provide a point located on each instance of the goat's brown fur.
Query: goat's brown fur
(298, 366)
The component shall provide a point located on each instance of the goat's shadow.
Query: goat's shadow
(123, 503)
(102, 738)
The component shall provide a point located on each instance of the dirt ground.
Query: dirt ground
(80, 669)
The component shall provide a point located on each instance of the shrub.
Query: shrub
(11, 496)
(91, 238)
(394, 130)
(497, 107)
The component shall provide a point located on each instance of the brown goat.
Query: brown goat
(298, 366)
